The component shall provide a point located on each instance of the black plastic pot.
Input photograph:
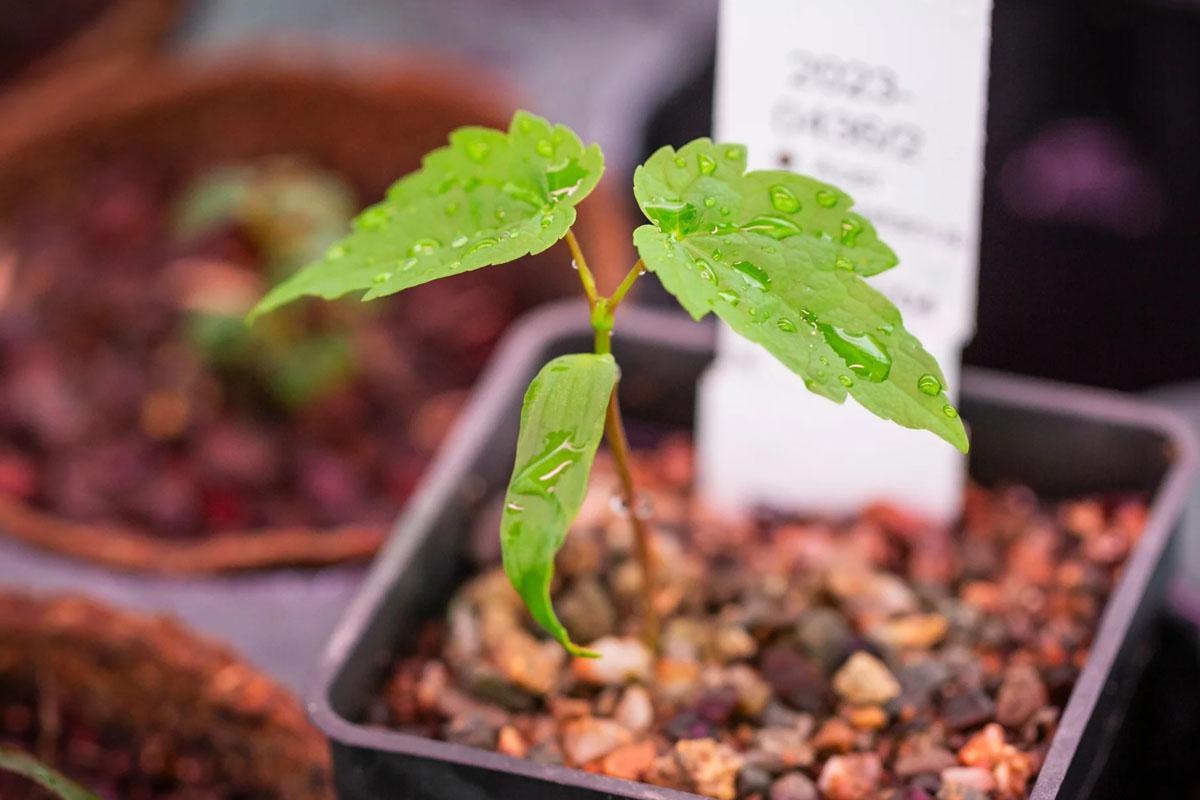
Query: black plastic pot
(1060, 441)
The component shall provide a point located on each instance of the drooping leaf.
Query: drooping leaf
(781, 259)
(562, 422)
(489, 197)
(23, 764)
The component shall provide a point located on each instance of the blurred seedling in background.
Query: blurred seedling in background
(780, 257)
(28, 767)
(289, 213)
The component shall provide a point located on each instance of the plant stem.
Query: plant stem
(627, 283)
(581, 266)
(614, 432)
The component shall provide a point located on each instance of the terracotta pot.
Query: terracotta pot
(369, 124)
(77, 676)
(116, 27)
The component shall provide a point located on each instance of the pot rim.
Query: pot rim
(503, 380)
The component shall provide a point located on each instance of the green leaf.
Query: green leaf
(27, 766)
(487, 198)
(781, 259)
(562, 422)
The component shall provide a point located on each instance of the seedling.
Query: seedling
(780, 257)
(289, 213)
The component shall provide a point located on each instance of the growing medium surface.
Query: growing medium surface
(132, 393)
(875, 657)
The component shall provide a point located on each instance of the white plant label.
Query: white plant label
(886, 99)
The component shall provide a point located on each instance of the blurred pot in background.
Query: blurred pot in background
(39, 38)
(139, 707)
(142, 425)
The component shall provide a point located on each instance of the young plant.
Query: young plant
(779, 257)
(290, 213)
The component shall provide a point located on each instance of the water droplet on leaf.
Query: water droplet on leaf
(851, 228)
(709, 202)
(673, 217)
(753, 275)
(862, 352)
(775, 227)
(929, 385)
(541, 474)
(459, 242)
(706, 164)
(544, 148)
(382, 277)
(564, 179)
(730, 296)
(373, 218)
(841, 262)
(422, 246)
(786, 325)
(680, 162)
(487, 241)
(522, 194)
(477, 150)
(826, 198)
(950, 411)
(845, 380)
(783, 199)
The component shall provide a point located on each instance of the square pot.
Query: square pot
(1061, 441)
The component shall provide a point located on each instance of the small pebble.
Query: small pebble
(793, 786)
(511, 743)
(635, 710)
(622, 660)
(850, 777)
(925, 761)
(711, 768)
(631, 761)
(733, 643)
(1021, 694)
(968, 778)
(785, 748)
(825, 636)
(911, 631)
(868, 718)
(834, 736)
(753, 693)
(588, 738)
(965, 708)
(795, 679)
(754, 779)
(865, 680)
